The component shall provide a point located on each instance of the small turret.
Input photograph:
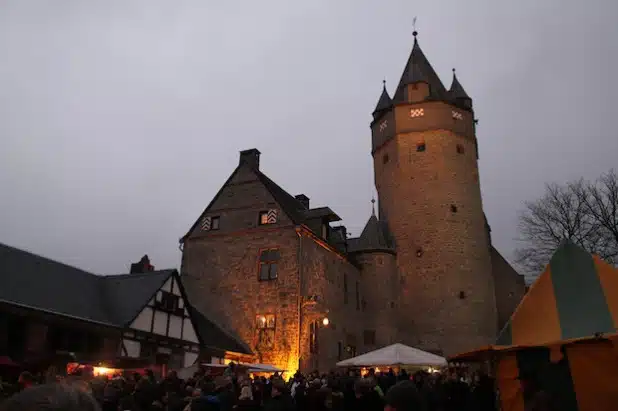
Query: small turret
(458, 95)
(384, 103)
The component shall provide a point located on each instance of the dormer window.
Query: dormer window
(268, 217)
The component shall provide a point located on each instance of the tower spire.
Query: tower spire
(373, 206)
(384, 103)
(458, 95)
(418, 69)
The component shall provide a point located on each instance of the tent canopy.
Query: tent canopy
(396, 354)
(575, 297)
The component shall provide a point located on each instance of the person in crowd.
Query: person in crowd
(404, 396)
(51, 397)
(280, 399)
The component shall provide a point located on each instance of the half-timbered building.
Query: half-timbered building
(144, 317)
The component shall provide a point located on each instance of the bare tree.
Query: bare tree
(583, 212)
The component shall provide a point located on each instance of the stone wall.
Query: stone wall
(427, 182)
(380, 290)
(510, 287)
(327, 275)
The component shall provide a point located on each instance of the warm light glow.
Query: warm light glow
(325, 321)
(102, 371)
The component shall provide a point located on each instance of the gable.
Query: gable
(166, 314)
(238, 204)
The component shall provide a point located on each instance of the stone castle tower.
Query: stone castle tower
(268, 266)
(425, 156)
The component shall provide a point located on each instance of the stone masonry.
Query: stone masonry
(269, 268)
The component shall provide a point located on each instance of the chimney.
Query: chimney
(143, 266)
(251, 157)
(303, 199)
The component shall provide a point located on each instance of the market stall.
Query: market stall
(396, 355)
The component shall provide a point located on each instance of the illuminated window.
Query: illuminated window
(460, 149)
(265, 321)
(268, 217)
(268, 264)
(417, 112)
(420, 147)
(265, 327)
(210, 223)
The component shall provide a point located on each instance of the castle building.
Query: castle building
(270, 268)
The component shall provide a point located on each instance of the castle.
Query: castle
(273, 270)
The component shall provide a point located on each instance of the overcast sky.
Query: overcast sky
(120, 120)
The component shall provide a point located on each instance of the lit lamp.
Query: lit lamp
(325, 321)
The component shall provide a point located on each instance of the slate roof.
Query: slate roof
(384, 103)
(457, 91)
(32, 281)
(215, 336)
(293, 207)
(375, 237)
(417, 69)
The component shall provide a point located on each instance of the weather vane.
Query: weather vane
(414, 26)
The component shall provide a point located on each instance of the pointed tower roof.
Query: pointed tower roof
(385, 102)
(375, 236)
(418, 69)
(457, 91)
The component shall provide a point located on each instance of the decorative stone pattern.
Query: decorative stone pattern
(417, 112)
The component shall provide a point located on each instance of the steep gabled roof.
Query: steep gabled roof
(418, 69)
(289, 205)
(375, 237)
(32, 281)
(36, 282)
(126, 295)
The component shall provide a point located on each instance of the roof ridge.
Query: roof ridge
(48, 259)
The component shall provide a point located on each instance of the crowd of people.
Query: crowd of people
(448, 391)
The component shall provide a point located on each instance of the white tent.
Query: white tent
(396, 354)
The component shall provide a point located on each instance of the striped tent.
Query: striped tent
(564, 332)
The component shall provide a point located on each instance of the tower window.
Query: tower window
(419, 252)
(420, 147)
(460, 149)
(417, 112)
(462, 295)
(385, 159)
(268, 264)
(453, 208)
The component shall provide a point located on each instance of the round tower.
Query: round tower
(424, 149)
(375, 253)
